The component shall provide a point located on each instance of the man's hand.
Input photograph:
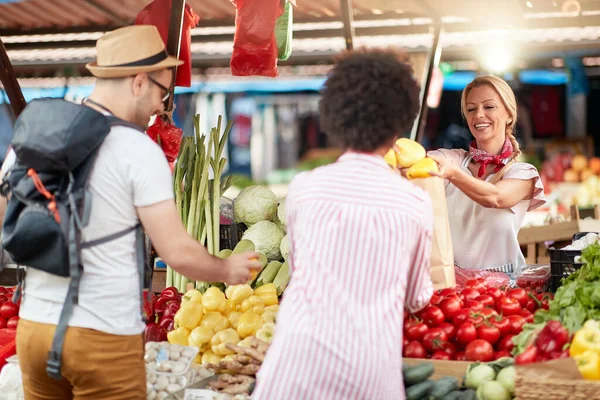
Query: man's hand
(240, 268)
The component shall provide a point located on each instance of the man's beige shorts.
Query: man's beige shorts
(95, 365)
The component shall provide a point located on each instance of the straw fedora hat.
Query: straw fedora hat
(129, 51)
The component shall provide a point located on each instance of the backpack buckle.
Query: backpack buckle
(53, 366)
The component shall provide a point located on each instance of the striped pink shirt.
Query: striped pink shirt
(361, 241)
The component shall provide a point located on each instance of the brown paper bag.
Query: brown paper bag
(442, 255)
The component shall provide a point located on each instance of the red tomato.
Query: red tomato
(2, 322)
(412, 321)
(489, 333)
(441, 355)
(488, 313)
(525, 313)
(416, 331)
(506, 343)
(435, 339)
(8, 310)
(466, 333)
(486, 300)
(432, 316)
(13, 322)
(469, 294)
(414, 350)
(477, 284)
(509, 306)
(435, 300)
(451, 350)
(405, 342)
(516, 324)
(460, 356)
(531, 305)
(495, 293)
(520, 295)
(466, 315)
(446, 292)
(501, 353)
(479, 350)
(473, 305)
(449, 329)
(502, 324)
(450, 307)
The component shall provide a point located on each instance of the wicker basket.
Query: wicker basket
(556, 389)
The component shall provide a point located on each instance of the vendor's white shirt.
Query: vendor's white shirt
(486, 238)
(130, 171)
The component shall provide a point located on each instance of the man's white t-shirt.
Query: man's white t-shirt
(130, 171)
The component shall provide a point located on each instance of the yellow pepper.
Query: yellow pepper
(246, 342)
(583, 341)
(408, 152)
(192, 295)
(189, 315)
(212, 299)
(589, 365)
(249, 323)
(200, 337)
(592, 325)
(208, 357)
(269, 316)
(390, 158)
(266, 332)
(179, 336)
(268, 294)
(253, 303)
(234, 318)
(422, 169)
(238, 293)
(220, 339)
(215, 321)
(229, 307)
(274, 308)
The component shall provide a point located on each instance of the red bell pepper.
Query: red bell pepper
(528, 356)
(170, 292)
(155, 333)
(552, 338)
(167, 323)
(171, 310)
(161, 305)
(148, 309)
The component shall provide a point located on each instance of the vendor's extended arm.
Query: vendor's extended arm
(504, 194)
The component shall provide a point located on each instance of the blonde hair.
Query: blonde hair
(508, 99)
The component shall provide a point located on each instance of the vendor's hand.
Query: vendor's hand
(241, 268)
(447, 169)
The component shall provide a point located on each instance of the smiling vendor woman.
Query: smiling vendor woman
(488, 192)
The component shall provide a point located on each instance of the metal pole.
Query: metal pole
(10, 83)
(174, 40)
(432, 62)
(348, 20)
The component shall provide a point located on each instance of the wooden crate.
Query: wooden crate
(534, 238)
(442, 368)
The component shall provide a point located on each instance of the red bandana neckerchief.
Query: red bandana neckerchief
(483, 158)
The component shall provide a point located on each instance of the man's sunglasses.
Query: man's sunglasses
(167, 90)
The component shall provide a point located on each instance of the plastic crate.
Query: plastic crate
(562, 264)
(231, 235)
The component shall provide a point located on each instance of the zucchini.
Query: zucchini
(468, 394)
(453, 395)
(444, 386)
(418, 373)
(269, 273)
(243, 246)
(420, 390)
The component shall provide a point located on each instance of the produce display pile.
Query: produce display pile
(483, 381)
(477, 323)
(9, 311)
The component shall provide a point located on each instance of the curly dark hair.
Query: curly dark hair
(370, 98)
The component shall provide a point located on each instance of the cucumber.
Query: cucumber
(269, 273)
(223, 254)
(468, 394)
(453, 395)
(420, 390)
(444, 386)
(243, 246)
(418, 373)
